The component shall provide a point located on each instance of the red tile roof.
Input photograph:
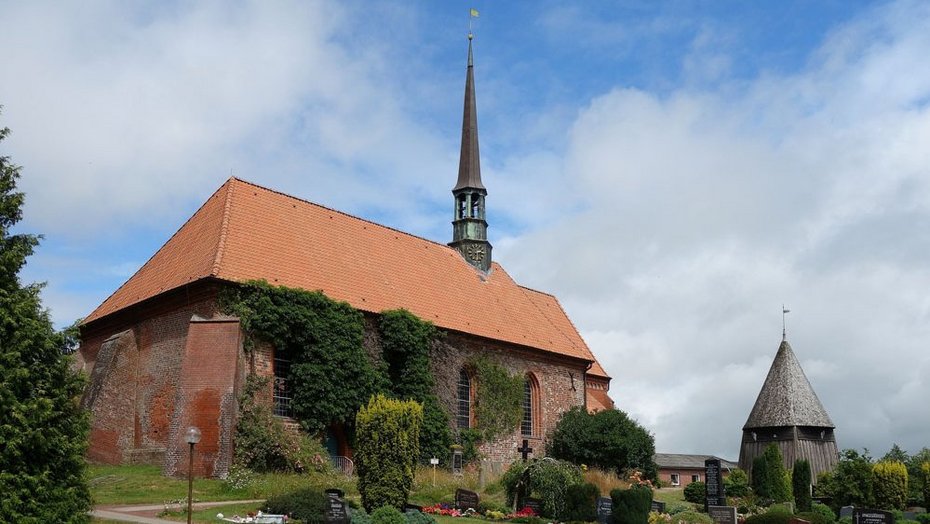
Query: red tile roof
(598, 400)
(247, 232)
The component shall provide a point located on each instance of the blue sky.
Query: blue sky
(672, 171)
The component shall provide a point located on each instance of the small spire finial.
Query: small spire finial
(784, 323)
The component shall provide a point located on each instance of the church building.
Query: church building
(162, 356)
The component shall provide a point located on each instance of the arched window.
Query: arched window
(282, 391)
(475, 205)
(461, 207)
(463, 417)
(532, 418)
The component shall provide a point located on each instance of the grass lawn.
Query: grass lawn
(669, 495)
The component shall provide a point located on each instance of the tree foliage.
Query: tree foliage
(631, 506)
(43, 432)
(801, 485)
(545, 478)
(387, 445)
(770, 479)
(850, 483)
(736, 484)
(498, 400)
(331, 375)
(889, 484)
(607, 439)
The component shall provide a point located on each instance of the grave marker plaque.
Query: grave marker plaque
(657, 506)
(605, 506)
(872, 516)
(465, 499)
(722, 514)
(713, 482)
(846, 511)
(533, 504)
(335, 512)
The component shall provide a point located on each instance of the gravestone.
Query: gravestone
(412, 507)
(465, 499)
(846, 511)
(605, 506)
(713, 482)
(872, 516)
(335, 512)
(910, 515)
(533, 504)
(657, 506)
(722, 514)
(456, 463)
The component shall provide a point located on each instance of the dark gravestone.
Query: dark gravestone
(722, 514)
(872, 516)
(846, 511)
(533, 504)
(605, 506)
(713, 481)
(657, 506)
(465, 499)
(335, 512)
(413, 507)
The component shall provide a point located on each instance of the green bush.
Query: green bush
(801, 485)
(850, 483)
(418, 517)
(693, 517)
(772, 517)
(387, 433)
(546, 478)
(736, 484)
(608, 439)
(823, 509)
(923, 518)
(925, 470)
(889, 485)
(675, 507)
(631, 506)
(306, 504)
(815, 517)
(581, 503)
(696, 492)
(770, 479)
(845, 520)
(360, 516)
(388, 515)
(760, 477)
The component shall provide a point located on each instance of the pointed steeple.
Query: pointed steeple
(787, 398)
(469, 227)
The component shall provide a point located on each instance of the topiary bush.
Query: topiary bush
(581, 503)
(387, 433)
(801, 485)
(889, 485)
(631, 506)
(545, 478)
(696, 492)
(388, 515)
(305, 504)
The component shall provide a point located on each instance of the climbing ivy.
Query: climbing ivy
(331, 375)
(405, 346)
(499, 399)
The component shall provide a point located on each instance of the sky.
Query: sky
(673, 171)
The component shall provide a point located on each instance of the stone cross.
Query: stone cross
(525, 449)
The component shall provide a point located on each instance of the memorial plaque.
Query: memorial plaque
(846, 511)
(872, 516)
(465, 499)
(657, 506)
(335, 512)
(605, 506)
(722, 514)
(713, 482)
(533, 504)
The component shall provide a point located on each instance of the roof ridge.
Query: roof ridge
(224, 228)
(343, 213)
(537, 291)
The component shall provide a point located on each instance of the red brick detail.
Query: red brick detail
(206, 398)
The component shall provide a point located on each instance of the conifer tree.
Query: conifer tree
(43, 431)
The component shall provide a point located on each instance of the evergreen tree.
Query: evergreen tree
(43, 432)
(801, 484)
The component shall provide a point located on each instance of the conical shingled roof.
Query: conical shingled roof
(787, 398)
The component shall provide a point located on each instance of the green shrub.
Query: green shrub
(693, 517)
(845, 520)
(675, 507)
(631, 506)
(925, 470)
(545, 478)
(581, 503)
(801, 485)
(889, 485)
(360, 516)
(736, 484)
(388, 515)
(923, 518)
(306, 504)
(823, 509)
(418, 517)
(850, 483)
(760, 477)
(387, 433)
(816, 518)
(774, 517)
(696, 492)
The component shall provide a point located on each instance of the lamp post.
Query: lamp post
(192, 437)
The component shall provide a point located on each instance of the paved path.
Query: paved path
(142, 514)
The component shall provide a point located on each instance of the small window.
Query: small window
(695, 478)
(282, 390)
(475, 205)
(463, 418)
(676, 480)
(462, 207)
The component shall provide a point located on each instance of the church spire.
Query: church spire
(469, 227)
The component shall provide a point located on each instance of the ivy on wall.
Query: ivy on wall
(331, 375)
(499, 399)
